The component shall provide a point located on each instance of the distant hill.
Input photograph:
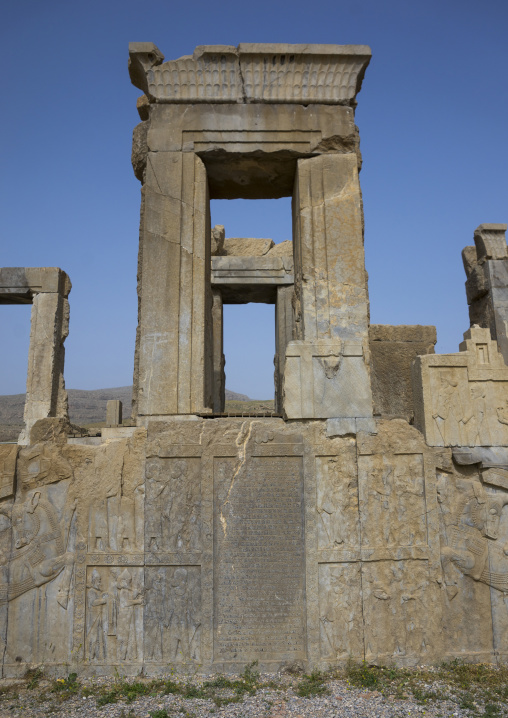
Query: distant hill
(85, 407)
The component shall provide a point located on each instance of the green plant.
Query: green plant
(161, 713)
(33, 676)
(312, 685)
(362, 675)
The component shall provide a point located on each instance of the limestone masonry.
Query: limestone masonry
(366, 517)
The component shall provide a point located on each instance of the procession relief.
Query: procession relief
(340, 614)
(468, 413)
(396, 605)
(37, 560)
(337, 502)
(173, 614)
(173, 505)
(392, 500)
(114, 614)
(116, 521)
(474, 536)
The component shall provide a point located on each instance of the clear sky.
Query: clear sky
(433, 118)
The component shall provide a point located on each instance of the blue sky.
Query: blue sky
(432, 115)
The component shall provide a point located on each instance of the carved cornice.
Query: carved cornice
(252, 73)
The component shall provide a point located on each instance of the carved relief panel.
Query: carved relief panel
(172, 621)
(173, 505)
(114, 620)
(462, 399)
(340, 611)
(337, 501)
(398, 606)
(392, 500)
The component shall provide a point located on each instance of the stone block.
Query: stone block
(392, 351)
(8, 456)
(325, 380)
(490, 241)
(113, 413)
(218, 236)
(462, 399)
(245, 247)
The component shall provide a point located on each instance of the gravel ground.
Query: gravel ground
(268, 702)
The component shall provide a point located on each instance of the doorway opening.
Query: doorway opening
(249, 321)
(15, 325)
(249, 348)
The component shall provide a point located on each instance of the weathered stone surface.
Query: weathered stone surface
(47, 289)
(114, 413)
(392, 351)
(174, 373)
(207, 542)
(462, 399)
(246, 247)
(241, 74)
(8, 455)
(139, 149)
(218, 236)
(486, 267)
(250, 151)
(283, 249)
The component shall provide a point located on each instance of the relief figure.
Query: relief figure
(112, 523)
(470, 529)
(477, 422)
(156, 619)
(40, 547)
(341, 635)
(449, 412)
(128, 599)
(97, 605)
(183, 623)
(337, 505)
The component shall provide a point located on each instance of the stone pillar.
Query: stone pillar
(219, 378)
(174, 353)
(45, 386)
(486, 266)
(283, 335)
(114, 413)
(326, 373)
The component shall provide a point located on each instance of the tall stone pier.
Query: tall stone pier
(365, 517)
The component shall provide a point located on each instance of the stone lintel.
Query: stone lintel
(19, 284)
(252, 270)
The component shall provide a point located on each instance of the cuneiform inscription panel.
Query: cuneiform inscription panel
(259, 559)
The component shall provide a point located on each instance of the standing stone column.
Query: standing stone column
(486, 266)
(284, 324)
(46, 395)
(174, 353)
(326, 374)
(219, 378)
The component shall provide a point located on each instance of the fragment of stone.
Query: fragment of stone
(114, 413)
(139, 149)
(462, 399)
(218, 236)
(8, 456)
(282, 249)
(247, 247)
(143, 107)
(392, 351)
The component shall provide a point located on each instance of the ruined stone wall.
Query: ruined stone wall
(368, 520)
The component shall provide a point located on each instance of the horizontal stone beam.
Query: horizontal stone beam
(252, 270)
(18, 285)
